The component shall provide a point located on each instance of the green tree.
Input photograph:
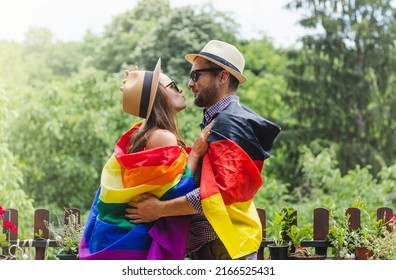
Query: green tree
(124, 33)
(179, 32)
(152, 30)
(324, 185)
(343, 77)
(11, 177)
(69, 130)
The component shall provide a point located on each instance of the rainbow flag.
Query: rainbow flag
(231, 175)
(162, 172)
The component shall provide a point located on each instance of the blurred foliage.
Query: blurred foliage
(61, 113)
(342, 80)
(323, 185)
(11, 177)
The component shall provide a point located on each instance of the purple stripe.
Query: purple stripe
(170, 246)
(110, 254)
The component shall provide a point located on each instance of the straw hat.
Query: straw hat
(223, 54)
(139, 91)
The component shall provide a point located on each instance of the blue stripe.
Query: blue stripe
(221, 60)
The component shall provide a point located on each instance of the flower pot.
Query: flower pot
(279, 252)
(66, 256)
(363, 253)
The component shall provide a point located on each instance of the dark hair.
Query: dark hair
(234, 83)
(162, 117)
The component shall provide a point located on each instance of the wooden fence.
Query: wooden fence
(320, 229)
(41, 235)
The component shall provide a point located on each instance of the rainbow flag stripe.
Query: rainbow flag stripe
(162, 172)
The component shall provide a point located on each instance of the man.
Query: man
(226, 224)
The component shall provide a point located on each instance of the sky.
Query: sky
(69, 20)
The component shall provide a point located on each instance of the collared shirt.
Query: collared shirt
(201, 231)
(217, 108)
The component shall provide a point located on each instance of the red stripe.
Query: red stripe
(161, 156)
(228, 169)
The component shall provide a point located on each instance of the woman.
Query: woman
(149, 158)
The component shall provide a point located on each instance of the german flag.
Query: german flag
(231, 175)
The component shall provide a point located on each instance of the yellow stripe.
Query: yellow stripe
(238, 225)
(112, 190)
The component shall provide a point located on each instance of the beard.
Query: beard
(206, 96)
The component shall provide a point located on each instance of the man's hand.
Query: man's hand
(146, 210)
(149, 208)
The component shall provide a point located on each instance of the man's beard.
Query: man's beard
(205, 96)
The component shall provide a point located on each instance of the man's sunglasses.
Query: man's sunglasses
(194, 75)
(173, 85)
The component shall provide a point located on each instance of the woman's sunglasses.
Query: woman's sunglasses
(173, 85)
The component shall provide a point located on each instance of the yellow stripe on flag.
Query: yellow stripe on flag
(237, 225)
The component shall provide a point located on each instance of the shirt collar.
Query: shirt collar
(216, 108)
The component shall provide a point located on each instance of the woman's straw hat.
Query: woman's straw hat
(139, 91)
(223, 54)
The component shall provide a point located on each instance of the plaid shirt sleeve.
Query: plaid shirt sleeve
(194, 198)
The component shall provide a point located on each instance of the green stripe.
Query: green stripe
(113, 213)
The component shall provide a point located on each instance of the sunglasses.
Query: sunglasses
(173, 85)
(194, 75)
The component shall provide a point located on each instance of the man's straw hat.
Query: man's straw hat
(140, 90)
(223, 54)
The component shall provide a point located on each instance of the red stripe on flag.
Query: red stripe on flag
(162, 155)
(228, 169)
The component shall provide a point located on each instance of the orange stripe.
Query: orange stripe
(153, 175)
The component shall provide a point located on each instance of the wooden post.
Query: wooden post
(261, 214)
(41, 231)
(354, 219)
(11, 215)
(385, 214)
(321, 228)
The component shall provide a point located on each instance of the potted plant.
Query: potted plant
(384, 242)
(362, 240)
(369, 238)
(5, 224)
(68, 236)
(278, 234)
(339, 237)
(297, 235)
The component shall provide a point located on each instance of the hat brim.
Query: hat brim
(141, 89)
(154, 87)
(192, 56)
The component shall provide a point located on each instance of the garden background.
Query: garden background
(333, 94)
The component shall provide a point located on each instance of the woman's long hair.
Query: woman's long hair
(162, 116)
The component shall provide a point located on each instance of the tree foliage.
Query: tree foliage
(64, 114)
(68, 132)
(11, 177)
(342, 80)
